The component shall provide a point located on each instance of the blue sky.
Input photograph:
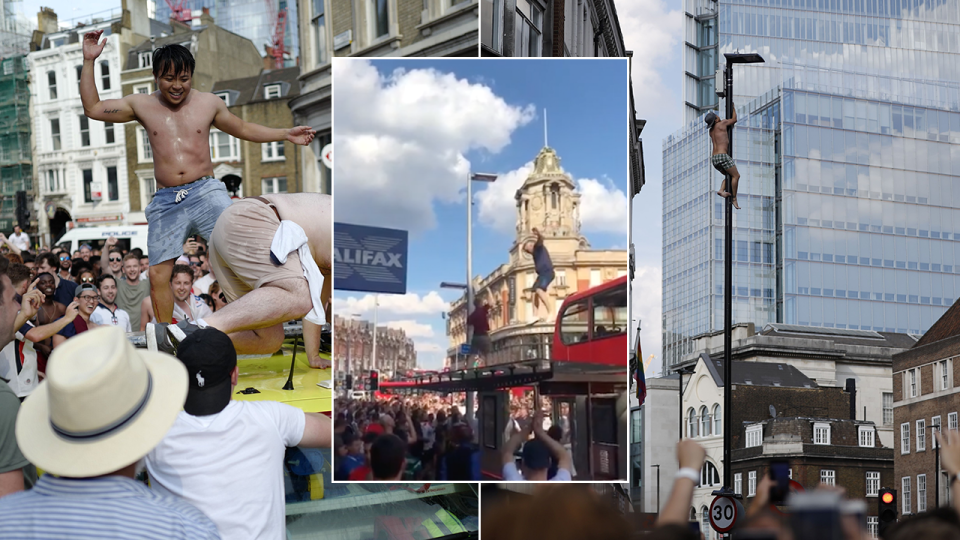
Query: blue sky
(492, 116)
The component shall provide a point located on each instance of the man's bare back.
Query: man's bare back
(312, 212)
(718, 134)
(179, 137)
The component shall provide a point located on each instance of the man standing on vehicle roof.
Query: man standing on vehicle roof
(177, 121)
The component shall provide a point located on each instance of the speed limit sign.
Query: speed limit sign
(724, 512)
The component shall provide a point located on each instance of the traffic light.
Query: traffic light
(374, 380)
(349, 382)
(886, 509)
(22, 211)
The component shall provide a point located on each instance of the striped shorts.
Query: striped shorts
(722, 162)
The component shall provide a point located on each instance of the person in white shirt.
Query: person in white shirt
(202, 284)
(218, 446)
(20, 238)
(107, 311)
(187, 307)
(535, 454)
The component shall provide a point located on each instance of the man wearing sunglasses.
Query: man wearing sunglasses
(65, 265)
(88, 297)
(111, 261)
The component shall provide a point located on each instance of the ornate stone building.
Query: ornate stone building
(549, 202)
(353, 349)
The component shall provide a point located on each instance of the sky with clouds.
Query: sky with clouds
(653, 30)
(408, 132)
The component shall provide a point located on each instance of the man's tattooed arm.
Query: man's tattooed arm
(108, 111)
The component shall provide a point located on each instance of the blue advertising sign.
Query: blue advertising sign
(464, 348)
(369, 259)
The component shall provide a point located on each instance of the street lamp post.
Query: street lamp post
(374, 364)
(732, 58)
(658, 488)
(479, 177)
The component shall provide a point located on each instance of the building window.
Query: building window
(913, 383)
(717, 424)
(144, 150)
(527, 38)
(873, 484)
(146, 59)
(113, 187)
(821, 433)
(921, 493)
(944, 375)
(84, 130)
(934, 428)
(271, 91)
(921, 435)
(828, 477)
(905, 438)
(225, 96)
(562, 278)
(148, 186)
(79, 71)
(379, 19)
(52, 84)
(692, 424)
(55, 133)
(108, 130)
(751, 484)
(272, 151)
(704, 422)
(905, 495)
(54, 184)
(88, 185)
(704, 519)
(105, 75)
(873, 525)
(866, 434)
(754, 435)
(738, 483)
(141, 89)
(491, 24)
(273, 185)
(888, 408)
(320, 26)
(223, 147)
(709, 475)
(952, 421)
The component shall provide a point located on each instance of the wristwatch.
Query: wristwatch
(688, 473)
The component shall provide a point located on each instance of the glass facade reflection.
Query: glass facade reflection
(848, 162)
(248, 18)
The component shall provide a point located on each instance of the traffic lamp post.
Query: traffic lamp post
(374, 380)
(886, 509)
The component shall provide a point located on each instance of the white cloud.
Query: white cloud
(401, 140)
(412, 328)
(653, 32)
(399, 304)
(646, 291)
(603, 207)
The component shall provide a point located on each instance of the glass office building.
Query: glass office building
(248, 18)
(848, 159)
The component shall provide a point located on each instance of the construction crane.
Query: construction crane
(180, 11)
(276, 46)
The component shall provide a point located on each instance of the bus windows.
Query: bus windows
(573, 323)
(609, 313)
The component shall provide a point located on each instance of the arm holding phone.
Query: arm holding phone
(690, 455)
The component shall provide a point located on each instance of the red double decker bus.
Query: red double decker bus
(592, 326)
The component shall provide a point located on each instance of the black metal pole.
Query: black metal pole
(680, 402)
(658, 490)
(936, 469)
(728, 292)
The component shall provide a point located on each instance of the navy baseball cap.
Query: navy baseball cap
(535, 455)
(209, 357)
(710, 118)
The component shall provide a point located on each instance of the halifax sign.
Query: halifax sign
(369, 259)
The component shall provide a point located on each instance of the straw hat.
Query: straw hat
(103, 406)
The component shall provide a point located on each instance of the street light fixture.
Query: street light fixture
(449, 285)
(473, 177)
(732, 58)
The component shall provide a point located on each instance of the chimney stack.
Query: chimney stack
(852, 389)
(47, 21)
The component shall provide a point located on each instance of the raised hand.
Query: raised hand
(111, 241)
(302, 135)
(72, 311)
(92, 46)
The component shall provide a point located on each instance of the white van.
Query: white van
(130, 237)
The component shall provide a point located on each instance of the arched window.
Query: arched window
(693, 514)
(704, 422)
(709, 476)
(692, 431)
(717, 420)
(705, 521)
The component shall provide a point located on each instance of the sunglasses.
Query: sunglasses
(65, 258)
(86, 280)
(195, 263)
(112, 259)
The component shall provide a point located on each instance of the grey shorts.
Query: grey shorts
(722, 162)
(176, 213)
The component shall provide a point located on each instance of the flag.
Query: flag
(638, 372)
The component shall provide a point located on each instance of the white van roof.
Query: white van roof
(92, 233)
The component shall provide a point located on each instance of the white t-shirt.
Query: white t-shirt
(23, 382)
(230, 466)
(511, 474)
(203, 284)
(22, 241)
(429, 435)
(198, 310)
(120, 318)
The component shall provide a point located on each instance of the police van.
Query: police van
(128, 236)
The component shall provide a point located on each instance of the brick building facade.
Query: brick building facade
(926, 396)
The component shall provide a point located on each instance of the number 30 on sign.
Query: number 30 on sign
(724, 512)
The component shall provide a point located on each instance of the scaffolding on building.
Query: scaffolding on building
(16, 169)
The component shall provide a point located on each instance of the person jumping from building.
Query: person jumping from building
(545, 274)
(177, 121)
(721, 159)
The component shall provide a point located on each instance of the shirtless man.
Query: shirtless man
(721, 159)
(261, 294)
(177, 121)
